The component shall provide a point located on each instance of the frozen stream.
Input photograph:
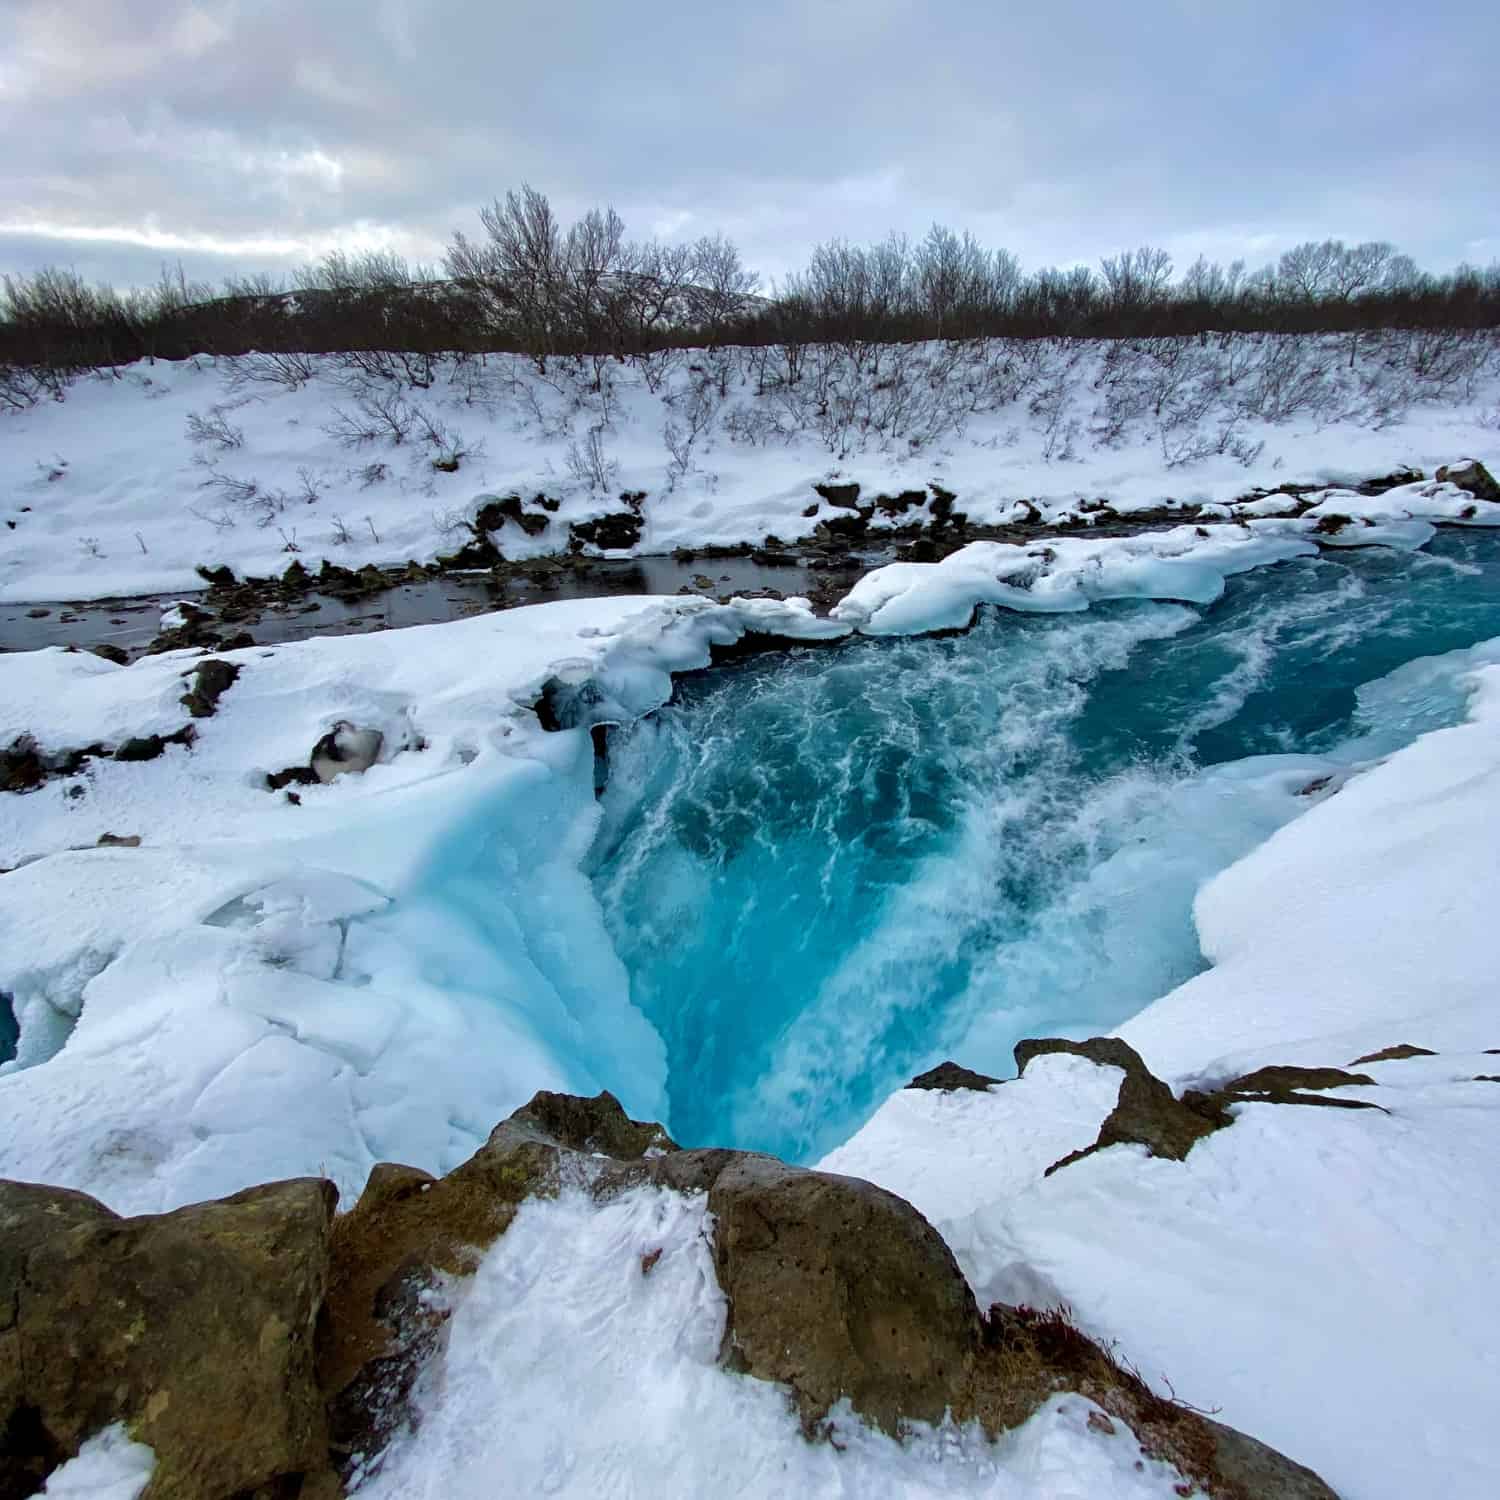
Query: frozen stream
(827, 869)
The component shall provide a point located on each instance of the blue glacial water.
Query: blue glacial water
(828, 868)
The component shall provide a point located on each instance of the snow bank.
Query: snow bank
(383, 969)
(1186, 562)
(109, 493)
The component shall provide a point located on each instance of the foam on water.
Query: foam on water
(827, 869)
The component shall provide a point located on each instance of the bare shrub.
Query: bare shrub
(307, 487)
(589, 464)
(230, 488)
(288, 370)
(215, 429)
(376, 416)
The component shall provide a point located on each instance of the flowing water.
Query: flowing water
(825, 869)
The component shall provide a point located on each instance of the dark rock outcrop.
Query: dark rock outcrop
(150, 746)
(493, 514)
(949, 1076)
(618, 531)
(844, 496)
(211, 680)
(1280, 1085)
(22, 768)
(1148, 1114)
(1280, 1079)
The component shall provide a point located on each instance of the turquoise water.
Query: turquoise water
(827, 869)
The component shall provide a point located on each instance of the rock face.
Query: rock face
(615, 532)
(1471, 475)
(195, 1328)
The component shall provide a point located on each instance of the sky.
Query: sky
(239, 136)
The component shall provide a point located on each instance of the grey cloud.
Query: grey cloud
(1062, 130)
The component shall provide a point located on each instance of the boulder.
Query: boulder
(109, 652)
(345, 749)
(22, 768)
(615, 532)
(838, 1288)
(193, 1328)
(1471, 475)
(844, 496)
(211, 680)
(29, 1215)
(949, 1076)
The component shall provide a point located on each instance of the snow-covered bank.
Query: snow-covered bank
(241, 1006)
(144, 473)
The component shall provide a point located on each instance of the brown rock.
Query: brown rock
(1471, 475)
(1281, 1085)
(1258, 1472)
(1394, 1054)
(1146, 1113)
(949, 1076)
(211, 680)
(195, 1328)
(1280, 1080)
(840, 1289)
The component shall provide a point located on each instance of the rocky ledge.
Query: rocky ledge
(266, 1348)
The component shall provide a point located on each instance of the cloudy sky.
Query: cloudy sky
(246, 135)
